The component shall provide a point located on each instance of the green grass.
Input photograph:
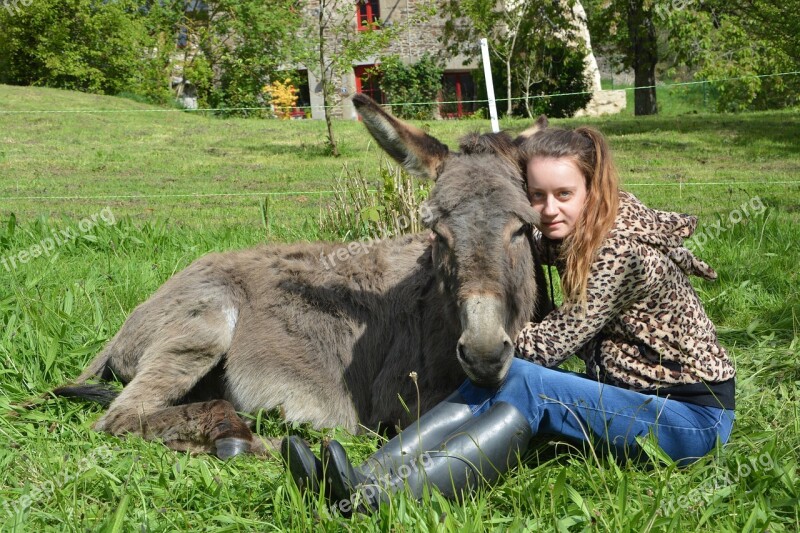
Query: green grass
(674, 98)
(57, 310)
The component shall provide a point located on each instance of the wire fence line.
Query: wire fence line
(270, 107)
(374, 191)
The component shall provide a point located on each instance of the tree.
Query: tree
(629, 29)
(775, 22)
(524, 35)
(82, 45)
(717, 39)
(231, 49)
(742, 43)
(329, 42)
(409, 85)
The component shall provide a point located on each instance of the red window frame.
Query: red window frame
(367, 82)
(368, 12)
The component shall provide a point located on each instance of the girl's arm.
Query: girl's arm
(617, 278)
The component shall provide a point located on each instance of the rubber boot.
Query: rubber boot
(475, 454)
(303, 465)
(426, 433)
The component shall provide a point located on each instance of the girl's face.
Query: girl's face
(557, 192)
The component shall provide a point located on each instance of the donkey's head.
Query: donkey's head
(480, 219)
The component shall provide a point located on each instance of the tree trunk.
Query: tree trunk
(326, 82)
(644, 52)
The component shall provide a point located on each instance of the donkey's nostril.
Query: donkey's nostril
(462, 354)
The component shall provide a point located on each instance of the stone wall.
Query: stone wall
(604, 103)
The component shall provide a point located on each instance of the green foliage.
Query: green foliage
(123, 47)
(557, 69)
(99, 47)
(743, 42)
(360, 209)
(232, 55)
(721, 45)
(534, 47)
(608, 27)
(200, 72)
(404, 84)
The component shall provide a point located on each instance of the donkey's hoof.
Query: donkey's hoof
(231, 447)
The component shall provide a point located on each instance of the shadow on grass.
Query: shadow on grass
(747, 129)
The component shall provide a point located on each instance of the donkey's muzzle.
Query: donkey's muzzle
(485, 350)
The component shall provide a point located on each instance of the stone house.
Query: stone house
(458, 85)
(459, 91)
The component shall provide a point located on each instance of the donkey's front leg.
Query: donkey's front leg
(212, 427)
(167, 371)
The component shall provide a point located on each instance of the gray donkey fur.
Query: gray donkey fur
(333, 345)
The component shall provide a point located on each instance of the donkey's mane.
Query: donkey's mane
(500, 144)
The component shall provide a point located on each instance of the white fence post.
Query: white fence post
(487, 71)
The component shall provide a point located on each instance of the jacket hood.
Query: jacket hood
(663, 230)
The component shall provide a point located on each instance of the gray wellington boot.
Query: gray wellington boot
(304, 467)
(475, 454)
(425, 434)
(428, 432)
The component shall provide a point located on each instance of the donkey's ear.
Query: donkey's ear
(540, 125)
(419, 153)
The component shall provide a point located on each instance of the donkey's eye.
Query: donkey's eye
(520, 233)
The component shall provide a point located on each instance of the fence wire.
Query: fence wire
(437, 102)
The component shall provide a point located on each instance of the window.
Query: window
(302, 108)
(367, 82)
(368, 13)
(458, 89)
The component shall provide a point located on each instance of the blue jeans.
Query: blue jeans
(578, 408)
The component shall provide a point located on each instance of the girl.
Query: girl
(653, 363)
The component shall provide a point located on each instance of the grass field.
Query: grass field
(136, 194)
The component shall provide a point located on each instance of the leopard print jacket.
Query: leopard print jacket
(644, 327)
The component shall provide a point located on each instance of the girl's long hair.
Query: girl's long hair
(589, 151)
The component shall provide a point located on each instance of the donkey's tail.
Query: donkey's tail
(97, 368)
(100, 392)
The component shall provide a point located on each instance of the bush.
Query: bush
(283, 96)
(406, 85)
(742, 60)
(362, 210)
(566, 76)
(127, 47)
(98, 47)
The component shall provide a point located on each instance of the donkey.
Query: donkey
(334, 345)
